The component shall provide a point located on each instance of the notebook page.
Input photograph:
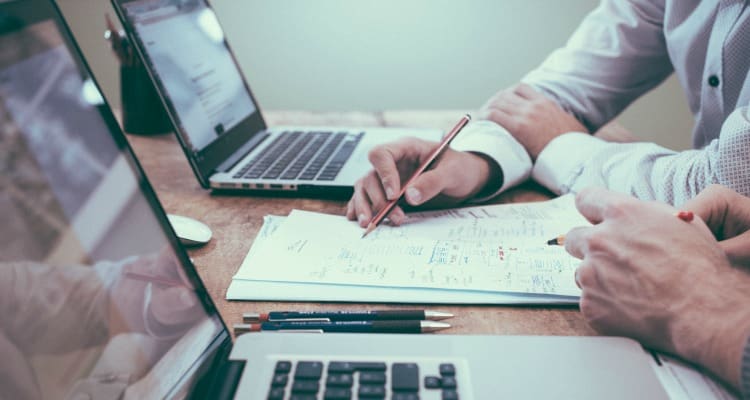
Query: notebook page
(487, 248)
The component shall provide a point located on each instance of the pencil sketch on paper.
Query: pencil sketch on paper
(498, 248)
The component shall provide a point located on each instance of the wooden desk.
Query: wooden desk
(235, 220)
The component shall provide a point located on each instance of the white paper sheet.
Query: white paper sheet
(495, 249)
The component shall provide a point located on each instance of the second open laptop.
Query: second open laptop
(218, 121)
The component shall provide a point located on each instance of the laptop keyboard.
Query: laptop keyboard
(302, 155)
(339, 380)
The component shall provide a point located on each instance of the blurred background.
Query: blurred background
(343, 55)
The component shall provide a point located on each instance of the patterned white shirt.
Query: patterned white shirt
(620, 51)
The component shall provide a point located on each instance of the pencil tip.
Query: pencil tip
(369, 229)
(552, 242)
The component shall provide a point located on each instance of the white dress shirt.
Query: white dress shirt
(620, 51)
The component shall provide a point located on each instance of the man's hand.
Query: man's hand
(455, 177)
(532, 118)
(727, 213)
(651, 276)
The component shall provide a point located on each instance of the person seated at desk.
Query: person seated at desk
(620, 51)
(679, 287)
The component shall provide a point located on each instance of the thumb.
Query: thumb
(425, 187)
(737, 249)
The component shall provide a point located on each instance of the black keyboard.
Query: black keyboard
(339, 380)
(302, 155)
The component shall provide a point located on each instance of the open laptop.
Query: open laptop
(98, 299)
(218, 121)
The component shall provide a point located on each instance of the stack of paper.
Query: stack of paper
(482, 255)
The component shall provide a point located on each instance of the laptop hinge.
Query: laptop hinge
(230, 379)
(219, 377)
(240, 153)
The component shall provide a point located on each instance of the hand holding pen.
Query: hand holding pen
(426, 163)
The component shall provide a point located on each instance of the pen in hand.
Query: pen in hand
(378, 218)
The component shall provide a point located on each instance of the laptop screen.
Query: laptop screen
(195, 73)
(94, 298)
(186, 46)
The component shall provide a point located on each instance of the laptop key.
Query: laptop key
(369, 366)
(308, 370)
(404, 377)
(279, 380)
(371, 392)
(450, 395)
(367, 377)
(432, 382)
(305, 386)
(303, 397)
(339, 380)
(449, 382)
(405, 396)
(276, 394)
(447, 369)
(337, 394)
(283, 367)
(340, 367)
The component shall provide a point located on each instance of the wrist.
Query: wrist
(716, 339)
(491, 176)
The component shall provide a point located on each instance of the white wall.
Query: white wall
(333, 55)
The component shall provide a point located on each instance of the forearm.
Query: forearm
(617, 53)
(647, 171)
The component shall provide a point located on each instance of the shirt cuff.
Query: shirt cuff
(561, 161)
(492, 140)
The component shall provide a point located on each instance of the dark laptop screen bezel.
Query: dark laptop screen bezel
(205, 162)
(28, 12)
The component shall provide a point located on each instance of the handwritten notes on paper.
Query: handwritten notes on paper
(488, 248)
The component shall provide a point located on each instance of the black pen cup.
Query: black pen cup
(142, 110)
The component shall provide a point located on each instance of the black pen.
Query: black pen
(375, 315)
(344, 326)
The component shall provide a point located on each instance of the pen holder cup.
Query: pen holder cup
(142, 110)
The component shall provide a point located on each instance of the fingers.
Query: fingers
(368, 199)
(597, 204)
(737, 249)
(726, 212)
(575, 242)
(385, 160)
(527, 92)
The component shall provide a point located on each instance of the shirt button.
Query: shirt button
(713, 81)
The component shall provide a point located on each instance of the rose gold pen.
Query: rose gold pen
(378, 218)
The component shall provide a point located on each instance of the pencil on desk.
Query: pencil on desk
(378, 218)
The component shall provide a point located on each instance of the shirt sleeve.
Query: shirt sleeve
(574, 161)
(617, 53)
(492, 140)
